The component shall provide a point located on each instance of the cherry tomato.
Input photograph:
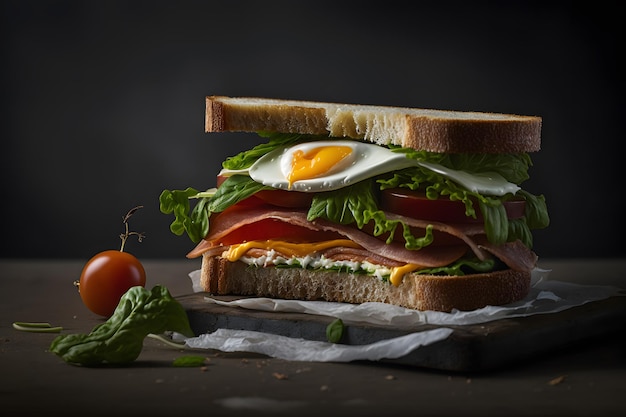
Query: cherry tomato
(415, 204)
(106, 277)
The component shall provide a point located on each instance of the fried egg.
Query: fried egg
(325, 165)
(334, 164)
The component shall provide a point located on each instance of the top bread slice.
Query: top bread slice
(421, 129)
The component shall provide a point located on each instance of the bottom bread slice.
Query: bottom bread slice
(421, 292)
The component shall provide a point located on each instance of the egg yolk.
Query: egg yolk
(315, 162)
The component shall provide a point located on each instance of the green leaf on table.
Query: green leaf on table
(119, 340)
(334, 331)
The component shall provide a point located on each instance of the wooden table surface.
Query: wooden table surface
(587, 378)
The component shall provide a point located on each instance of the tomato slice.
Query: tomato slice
(284, 198)
(415, 204)
(275, 229)
(280, 198)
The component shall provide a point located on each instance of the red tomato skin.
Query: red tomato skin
(284, 198)
(415, 204)
(275, 229)
(106, 277)
(280, 198)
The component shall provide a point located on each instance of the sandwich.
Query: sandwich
(353, 203)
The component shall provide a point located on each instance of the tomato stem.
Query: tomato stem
(124, 236)
(36, 327)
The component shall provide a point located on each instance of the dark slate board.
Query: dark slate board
(469, 348)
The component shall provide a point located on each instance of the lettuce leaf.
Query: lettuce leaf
(356, 204)
(195, 223)
(512, 166)
(344, 206)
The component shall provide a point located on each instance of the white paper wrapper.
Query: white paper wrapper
(545, 297)
(296, 349)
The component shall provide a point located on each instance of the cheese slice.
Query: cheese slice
(304, 250)
(287, 248)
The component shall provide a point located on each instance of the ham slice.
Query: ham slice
(224, 223)
(515, 255)
(430, 256)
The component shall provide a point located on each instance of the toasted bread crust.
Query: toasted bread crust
(422, 292)
(421, 129)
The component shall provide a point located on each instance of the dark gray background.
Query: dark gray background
(103, 102)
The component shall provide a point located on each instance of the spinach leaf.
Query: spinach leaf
(245, 159)
(119, 340)
(233, 190)
(536, 211)
(334, 331)
(496, 221)
(189, 361)
(461, 267)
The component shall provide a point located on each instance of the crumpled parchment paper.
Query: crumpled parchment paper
(544, 297)
(296, 349)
